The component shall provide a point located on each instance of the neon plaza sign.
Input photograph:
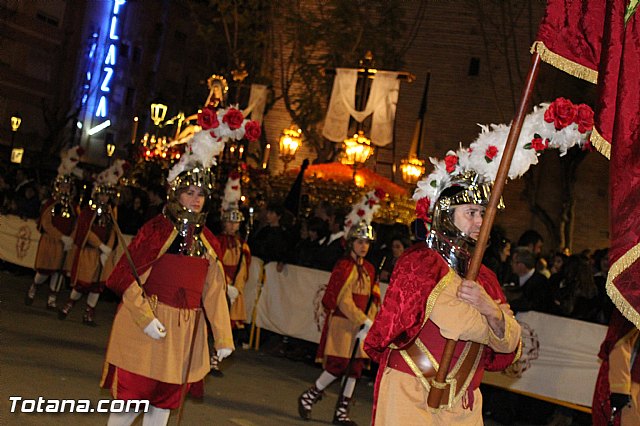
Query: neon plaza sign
(110, 60)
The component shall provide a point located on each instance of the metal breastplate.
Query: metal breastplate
(103, 218)
(456, 253)
(62, 208)
(188, 242)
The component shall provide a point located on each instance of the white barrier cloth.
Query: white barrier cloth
(559, 359)
(18, 240)
(291, 301)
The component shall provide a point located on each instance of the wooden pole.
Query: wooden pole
(185, 381)
(436, 392)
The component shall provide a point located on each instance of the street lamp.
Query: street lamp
(111, 148)
(411, 169)
(290, 141)
(158, 112)
(16, 121)
(357, 150)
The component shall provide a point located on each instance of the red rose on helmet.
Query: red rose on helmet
(380, 193)
(537, 143)
(207, 119)
(233, 118)
(252, 131)
(561, 113)
(451, 161)
(490, 153)
(361, 212)
(584, 118)
(422, 209)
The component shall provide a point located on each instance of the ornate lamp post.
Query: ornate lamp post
(357, 150)
(158, 113)
(412, 169)
(111, 148)
(290, 141)
(16, 120)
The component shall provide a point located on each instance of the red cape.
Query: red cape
(338, 278)
(148, 245)
(619, 326)
(402, 315)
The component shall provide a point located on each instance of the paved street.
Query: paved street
(43, 356)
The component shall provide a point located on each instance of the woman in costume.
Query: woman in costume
(351, 300)
(158, 346)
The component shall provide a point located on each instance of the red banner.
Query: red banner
(590, 39)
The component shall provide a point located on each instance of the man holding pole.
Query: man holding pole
(428, 302)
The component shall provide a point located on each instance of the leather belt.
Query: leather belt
(428, 371)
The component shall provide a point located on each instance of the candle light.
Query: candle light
(265, 157)
(134, 131)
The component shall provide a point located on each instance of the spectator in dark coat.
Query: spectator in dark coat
(271, 242)
(531, 291)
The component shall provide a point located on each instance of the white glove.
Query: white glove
(67, 242)
(103, 258)
(223, 353)
(155, 329)
(367, 324)
(362, 334)
(105, 249)
(232, 293)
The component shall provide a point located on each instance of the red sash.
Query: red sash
(178, 280)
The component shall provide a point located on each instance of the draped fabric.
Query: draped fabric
(382, 102)
(257, 102)
(590, 39)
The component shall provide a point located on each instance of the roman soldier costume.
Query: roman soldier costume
(351, 302)
(421, 310)
(95, 239)
(158, 330)
(56, 223)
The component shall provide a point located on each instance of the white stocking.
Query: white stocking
(92, 299)
(75, 295)
(121, 419)
(349, 387)
(40, 278)
(156, 416)
(53, 284)
(325, 380)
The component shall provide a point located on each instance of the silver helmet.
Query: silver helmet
(361, 230)
(464, 189)
(232, 214)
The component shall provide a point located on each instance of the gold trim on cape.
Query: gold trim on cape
(600, 143)
(564, 64)
(625, 261)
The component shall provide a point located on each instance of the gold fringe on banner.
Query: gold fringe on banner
(564, 64)
(623, 305)
(601, 144)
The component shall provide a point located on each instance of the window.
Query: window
(47, 19)
(137, 55)
(130, 96)
(124, 50)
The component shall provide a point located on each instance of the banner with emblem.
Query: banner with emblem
(18, 240)
(559, 359)
(291, 301)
